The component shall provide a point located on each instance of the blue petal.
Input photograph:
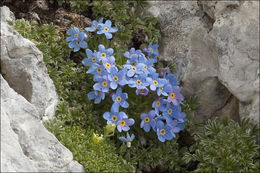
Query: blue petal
(106, 115)
(114, 29)
(108, 35)
(85, 61)
(89, 53)
(97, 86)
(130, 73)
(115, 107)
(91, 95)
(90, 29)
(123, 139)
(124, 104)
(108, 23)
(71, 31)
(76, 48)
(110, 51)
(83, 44)
(97, 100)
(147, 127)
(113, 85)
(101, 48)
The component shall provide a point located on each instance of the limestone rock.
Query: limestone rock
(26, 146)
(23, 67)
(215, 45)
(27, 93)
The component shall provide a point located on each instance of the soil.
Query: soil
(45, 11)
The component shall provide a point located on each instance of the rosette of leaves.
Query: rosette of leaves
(225, 145)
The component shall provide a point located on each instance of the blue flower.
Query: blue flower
(143, 91)
(132, 70)
(97, 95)
(108, 63)
(160, 105)
(175, 96)
(146, 65)
(104, 53)
(117, 77)
(180, 117)
(102, 85)
(132, 53)
(152, 49)
(124, 124)
(176, 127)
(97, 70)
(92, 58)
(163, 131)
(114, 117)
(119, 100)
(107, 29)
(94, 26)
(138, 82)
(163, 90)
(74, 34)
(156, 82)
(148, 121)
(128, 139)
(172, 79)
(76, 39)
(172, 110)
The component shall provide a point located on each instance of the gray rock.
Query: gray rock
(26, 146)
(27, 93)
(23, 67)
(215, 45)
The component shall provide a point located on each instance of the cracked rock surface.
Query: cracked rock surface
(215, 45)
(27, 93)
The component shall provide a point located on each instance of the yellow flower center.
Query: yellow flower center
(141, 90)
(108, 65)
(122, 122)
(115, 78)
(172, 95)
(162, 131)
(138, 82)
(78, 42)
(169, 111)
(93, 59)
(158, 103)
(114, 118)
(161, 89)
(133, 63)
(104, 84)
(147, 119)
(106, 29)
(150, 56)
(145, 67)
(99, 70)
(151, 49)
(131, 54)
(155, 82)
(118, 98)
(133, 68)
(76, 35)
(103, 54)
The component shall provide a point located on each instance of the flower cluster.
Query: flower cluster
(166, 118)
(102, 28)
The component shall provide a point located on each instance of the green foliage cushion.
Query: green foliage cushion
(225, 145)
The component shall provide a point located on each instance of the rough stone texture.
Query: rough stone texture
(26, 146)
(27, 93)
(215, 45)
(23, 67)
